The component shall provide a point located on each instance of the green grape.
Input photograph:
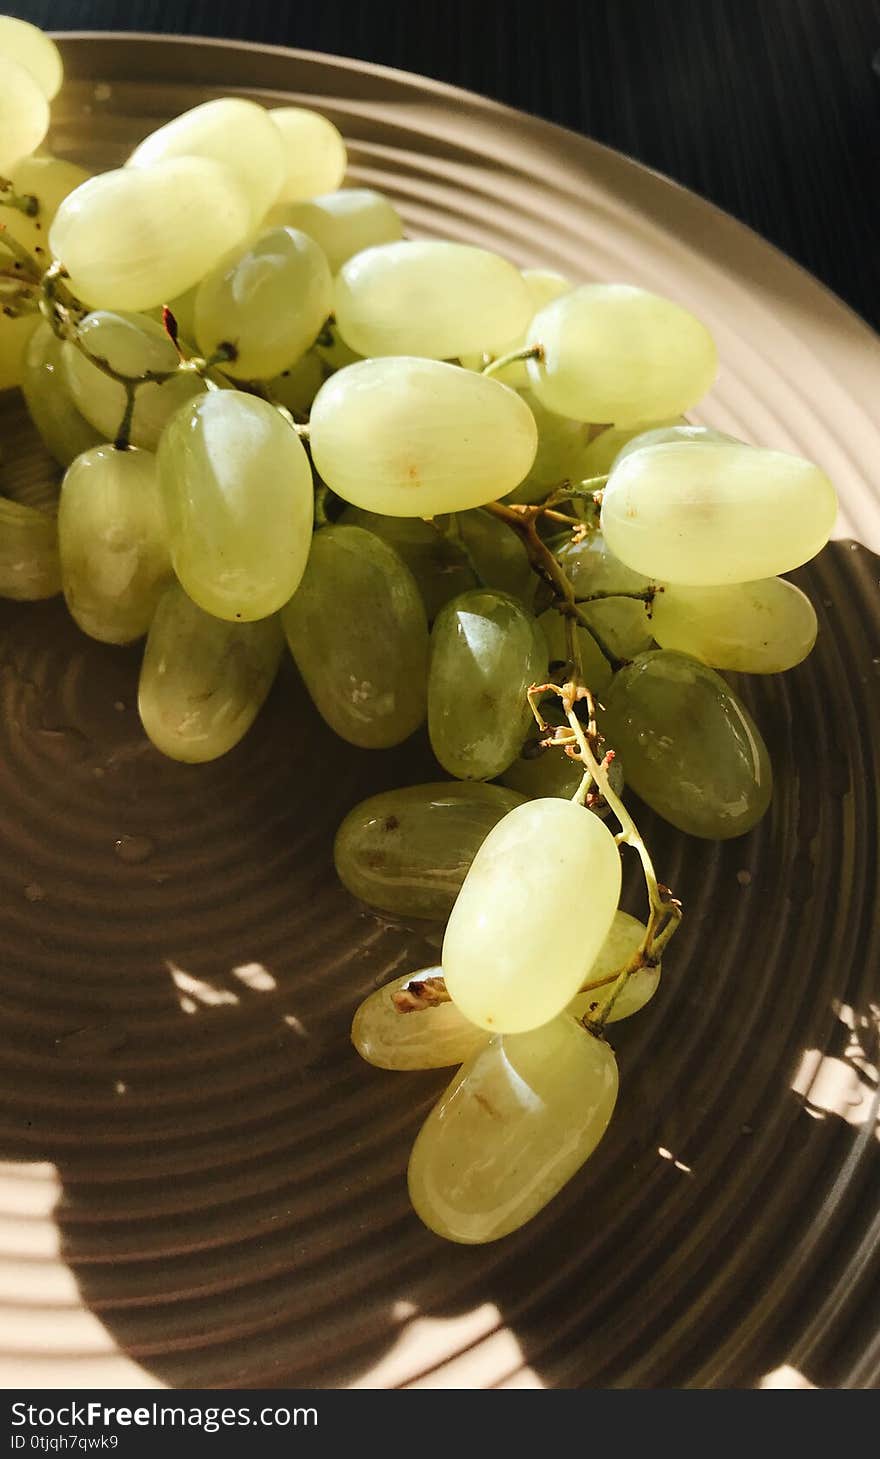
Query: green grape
(203, 681)
(132, 345)
(24, 113)
(621, 624)
(753, 628)
(543, 285)
(429, 298)
(296, 387)
(507, 961)
(680, 434)
(408, 851)
(624, 939)
(427, 1038)
(15, 335)
(133, 238)
(357, 630)
(29, 566)
(605, 448)
(233, 132)
(332, 349)
(64, 431)
(270, 300)
(113, 543)
(617, 354)
(49, 180)
(495, 553)
(238, 495)
(410, 438)
(562, 447)
(314, 155)
(690, 747)
(596, 668)
(342, 223)
(707, 514)
(438, 565)
(486, 651)
(516, 1123)
(37, 52)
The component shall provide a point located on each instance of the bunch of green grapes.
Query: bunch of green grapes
(463, 496)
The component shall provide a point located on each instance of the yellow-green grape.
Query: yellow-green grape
(703, 515)
(562, 447)
(132, 345)
(29, 565)
(429, 298)
(356, 627)
(543, 285)
(408, 437)
(238, 496)
(516, 1123)
(297, 385)
(233, 132)
(314, 158)
(425, 1038)
(65, 433)
(495, 553)
(203, 681)
(15, 335)
(49, 180)
(753, 628)
(595, 666)
(136, 237)
(438, 565)
(617, 354)
(342, 223)
(624, 939)
(507, 960)
(113, 543)
(486, 651)
(605, 448)
(690, 746)
(621, 624)
(270, 301)
(332, 349)
(24, 113)
(408, 851)
(32, 48)
(670, 435)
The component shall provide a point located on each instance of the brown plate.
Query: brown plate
(203, 1186)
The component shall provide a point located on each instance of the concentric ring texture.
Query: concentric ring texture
(201, 1184)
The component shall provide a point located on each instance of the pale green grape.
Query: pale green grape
(408, 851)
(426, 1038)
(314, 158)
(64, 431)
(507, 959)
(624, 939)
(15, 335)
(29, 566)
(429, 298)
(238, 495)
(495, 553)
(297, 385)
(605, 448)
(622, 624)
(357, 630)
(270, 300)
(203, 681)
(409, 437)
(332, 349)
(753, 628)
(113, 543)
(133, 345)
(486, 651)
(24, 113)
(342, 223)
(517, 1122)
(543, 285)
(617, 354)
(49, 180)
(562, 448)
(37, 52)
(596, 668)
(438, 565)
(690, 747)
(680, 434)
(703, 515)
(232, 131)
(136, 237)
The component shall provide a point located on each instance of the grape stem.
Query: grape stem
(527, 352)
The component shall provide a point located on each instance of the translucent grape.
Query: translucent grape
(231, 131)
(517, 1122)
(429, 298)
(35, 51)
(412, 438)
(690, 747)
(620, 946)
(203, 681)
(238, 494)
(134, 238)
(342, 223)
(24, 113)
(754, 628)
(64, 431)
(543, 285)
(622, 624)
(270, 300)
(561, 453)
(113, 544)
(704, 515)
(619, 354)
(313, 152)
(408, 851)
(680, 434)
(495, 553)
(504, 962)
(428, 1038)
(596, 668)
(439, 567)
(49, 180)
(357, 630)
(29, 566)
(297, 385)
(605, 448)
(486, 651)
(133, 345)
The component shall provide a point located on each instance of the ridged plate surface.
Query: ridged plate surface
(202, 1185)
